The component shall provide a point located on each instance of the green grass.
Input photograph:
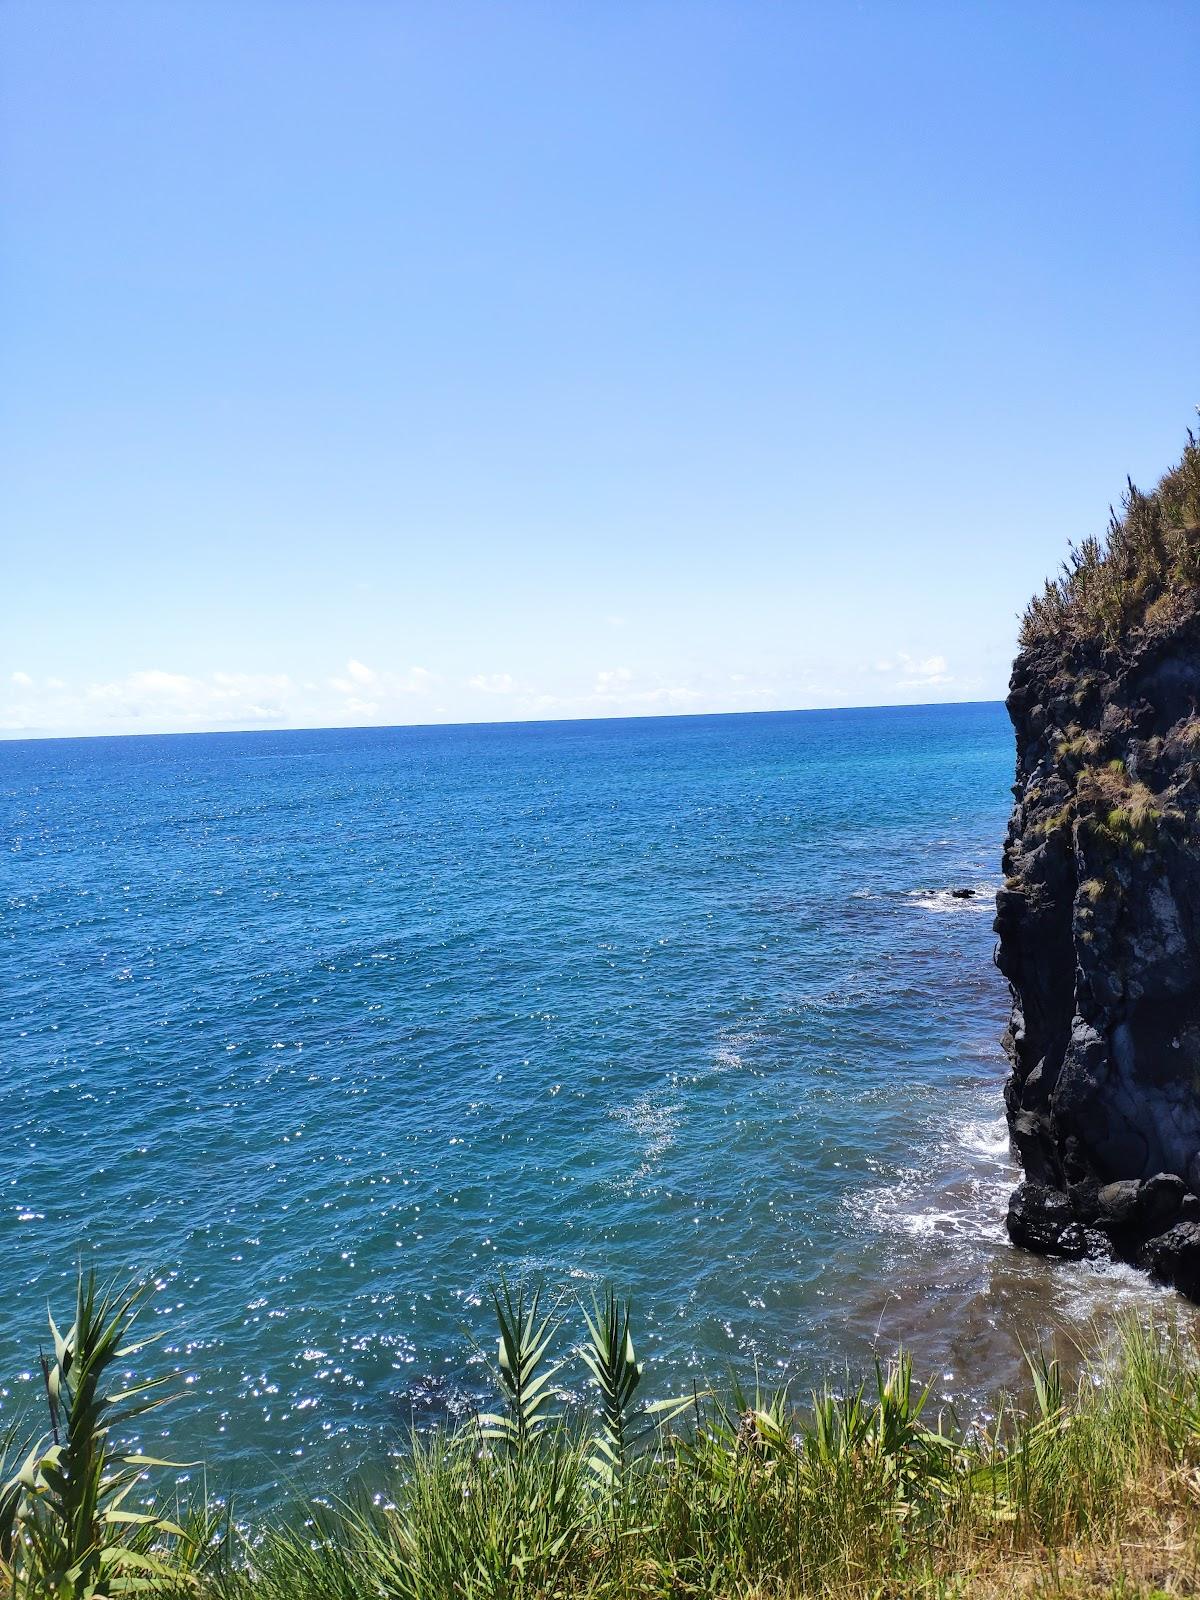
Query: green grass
(1142, 575)
(1087, 1488)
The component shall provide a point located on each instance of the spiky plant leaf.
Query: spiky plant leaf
(609, 1357)
(525, 1336)
(63, 1515)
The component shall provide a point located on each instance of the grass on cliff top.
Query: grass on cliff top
(857, 1492)
(1143, 574)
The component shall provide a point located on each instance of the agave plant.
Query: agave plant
(610, 1359)
(525, 1337)
(65, 1525)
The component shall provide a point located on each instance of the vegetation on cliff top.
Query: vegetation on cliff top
(1089, 1489)
(1143, 574)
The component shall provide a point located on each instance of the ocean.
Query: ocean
(326, 1030)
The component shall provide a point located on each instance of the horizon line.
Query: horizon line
(26, 737)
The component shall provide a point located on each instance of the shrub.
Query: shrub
(1141, 574)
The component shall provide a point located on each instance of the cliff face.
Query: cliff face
(1099, 919)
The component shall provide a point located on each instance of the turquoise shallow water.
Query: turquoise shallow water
(326, 1028)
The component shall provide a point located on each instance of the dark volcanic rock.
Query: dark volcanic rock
(1174, 1257)
(1159, 1200)
(1041, 1219)
(1099, 937)
(1118, 1203)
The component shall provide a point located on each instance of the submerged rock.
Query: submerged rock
(1099, 917)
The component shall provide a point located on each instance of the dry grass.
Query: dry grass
(1142, 575)
(1185, 735)
(1120, 810)
(1078, 748)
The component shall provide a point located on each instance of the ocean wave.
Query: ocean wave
(971, 1210)
(961, 1192)
(990, 1138)
(931, 1209)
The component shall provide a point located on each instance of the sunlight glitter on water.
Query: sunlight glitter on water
(326, 1029)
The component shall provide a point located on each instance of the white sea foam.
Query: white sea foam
(654, 1123)
(985, 1138)
(914, 1207)
(982, 899)
(959, 1199)
(727, 1054)
(1093, 1289)
(961, 1192)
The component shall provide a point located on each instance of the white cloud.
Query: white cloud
(928, 673)
(155, 700)
(383, 685)
(618, 691)
(914, 672)
(617, 688)
(153, 685)
(931, 667)
(612, 682)
(151, 700)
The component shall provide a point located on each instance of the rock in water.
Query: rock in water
(1041, 1219)
(1099, 917)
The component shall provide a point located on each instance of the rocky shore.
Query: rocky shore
(1099, 918)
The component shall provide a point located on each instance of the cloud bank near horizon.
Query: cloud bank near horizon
(157, 700)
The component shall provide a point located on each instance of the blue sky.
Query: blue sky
(384, 362)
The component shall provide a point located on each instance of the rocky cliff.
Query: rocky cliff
(1099, 918)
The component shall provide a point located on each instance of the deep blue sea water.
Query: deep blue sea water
(327, 1028)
